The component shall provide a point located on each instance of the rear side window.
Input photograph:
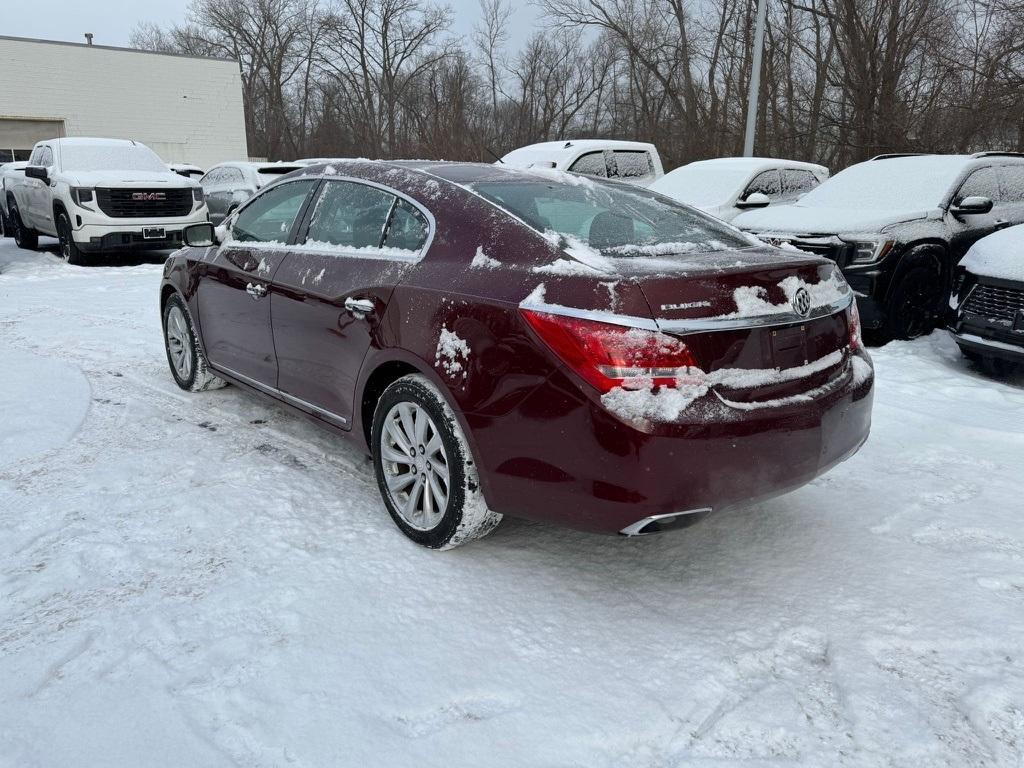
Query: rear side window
(270, 216)
(630, 164)
(232, 176)
(984, 182)
(767, 183)
(407, 228)
(796, 183)
(350, 214)
(1012, 183)
(592, 164)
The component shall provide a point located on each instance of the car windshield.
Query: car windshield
(109, 157)
(615, 220)
(703, 183)
(895, 184)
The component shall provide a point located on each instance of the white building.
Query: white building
(185, 108)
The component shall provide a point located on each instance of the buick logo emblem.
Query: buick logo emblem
(802, 302)
(146, 196)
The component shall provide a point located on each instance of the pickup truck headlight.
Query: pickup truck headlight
(82, 197)
(197, 195)
(867, 251)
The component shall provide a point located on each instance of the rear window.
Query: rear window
(614, 219)
(269, 173)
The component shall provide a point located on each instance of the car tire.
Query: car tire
(914, 306)
(425, 469)
(188, 364)
(23, 236)
(5, 226)
(69, 250)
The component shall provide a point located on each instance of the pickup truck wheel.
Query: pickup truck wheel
(914, 306)
(188, 364)
(69, 250)
(425, 469)
(24, 237)
(5, 225)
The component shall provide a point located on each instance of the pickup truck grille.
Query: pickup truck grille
(144, 203)
(992, 301)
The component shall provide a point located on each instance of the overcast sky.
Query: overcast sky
(112, 21)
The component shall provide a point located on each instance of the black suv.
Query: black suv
(897, 225)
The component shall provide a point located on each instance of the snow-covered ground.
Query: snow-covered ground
(206, 580)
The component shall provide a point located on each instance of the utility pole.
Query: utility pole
(755, 78)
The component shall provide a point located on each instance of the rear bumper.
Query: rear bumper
(561, 457)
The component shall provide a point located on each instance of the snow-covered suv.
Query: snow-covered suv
(897, 225)
(98, 195)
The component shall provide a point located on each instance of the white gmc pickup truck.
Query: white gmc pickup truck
(97, 195)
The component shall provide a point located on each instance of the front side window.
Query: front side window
(1012, 177)
(619, 222)
(767, 183)
(270, 216)
(796, 183)
(984, 182)
(46, 158)
(350, 214)
(592, 164)
(629, 164)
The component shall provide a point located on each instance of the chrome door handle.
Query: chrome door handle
(359, 306)
(256, 290)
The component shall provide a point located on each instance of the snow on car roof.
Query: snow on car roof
(552, 151)
(717, 181)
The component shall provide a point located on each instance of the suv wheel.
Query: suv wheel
(424, 467)
(914, 306)
(24, 237)
(69, 250)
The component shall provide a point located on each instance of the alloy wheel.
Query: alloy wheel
(917, 312)
(415, 466)
(179, 343)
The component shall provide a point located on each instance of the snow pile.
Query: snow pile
(567, 267)
(1000, 255)
(638, 402)
(579, 250)
(482, 261)
(452, 352)
(753, 301)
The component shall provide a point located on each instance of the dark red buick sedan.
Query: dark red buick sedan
(528, 343)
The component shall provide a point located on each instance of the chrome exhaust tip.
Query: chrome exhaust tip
(658, 523)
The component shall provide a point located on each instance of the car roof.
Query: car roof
(552, 151)
(88, 141)
(754, 164)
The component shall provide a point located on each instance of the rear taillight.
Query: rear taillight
(853, 326)
(608, 355)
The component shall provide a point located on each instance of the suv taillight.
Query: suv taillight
(608, 355)
(853, 326)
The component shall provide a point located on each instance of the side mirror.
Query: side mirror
(755, 200)
(199, 235)
(972, 205)
(37, 172)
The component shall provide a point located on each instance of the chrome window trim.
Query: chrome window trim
(290, 399)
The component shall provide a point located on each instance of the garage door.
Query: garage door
(18, 136)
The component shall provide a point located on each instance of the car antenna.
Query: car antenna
(491, 153)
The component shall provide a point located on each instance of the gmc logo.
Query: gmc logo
(149, 196)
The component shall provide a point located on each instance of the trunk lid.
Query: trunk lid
(739, 314)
